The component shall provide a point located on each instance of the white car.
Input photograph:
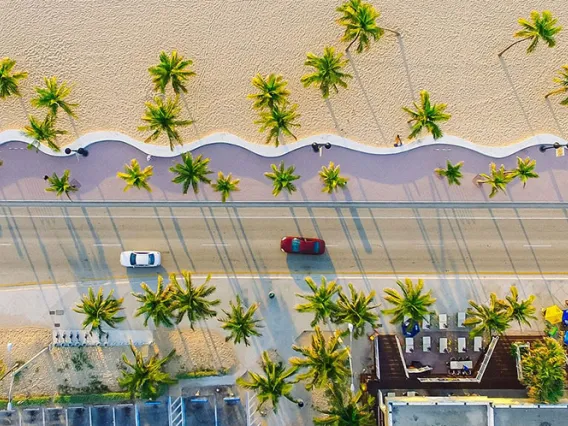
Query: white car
(140, 259)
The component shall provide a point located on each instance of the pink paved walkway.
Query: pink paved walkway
(405, 177)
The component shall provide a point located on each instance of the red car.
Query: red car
(301, 245)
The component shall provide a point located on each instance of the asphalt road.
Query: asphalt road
(72, 244)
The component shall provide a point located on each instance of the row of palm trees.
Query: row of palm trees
(497, 179)
(192, 172)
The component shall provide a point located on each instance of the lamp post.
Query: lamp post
(80, 151)
(318, 147)
(9, 347)
(350, 327)
(555, 145)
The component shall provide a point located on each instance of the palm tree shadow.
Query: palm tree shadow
(555, 117)
(193, 125)
(367, 100)
(334, 118)
(24, 107)
(72, 121)
(406, 68)
(516, 93)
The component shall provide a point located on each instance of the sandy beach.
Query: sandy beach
(448, 47)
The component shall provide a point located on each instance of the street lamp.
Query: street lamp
(350, 327)
(9, 347)
(555, 145)
(318, 147)
(80, 151)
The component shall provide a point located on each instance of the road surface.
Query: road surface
(46, 244)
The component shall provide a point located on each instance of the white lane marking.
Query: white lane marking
(537, 245)
(332, 245)
(5, 244)
(106, 245)
(287, 217)
(216, 244)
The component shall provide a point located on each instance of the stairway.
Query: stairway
(177, 413)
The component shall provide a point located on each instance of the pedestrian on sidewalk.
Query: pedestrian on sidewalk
(148, 158)
(397, 141)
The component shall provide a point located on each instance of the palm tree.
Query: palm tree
(491, 319)
(192, 301)
(451, 172)
(61, 185)
(326, 361)
(521, 311)
(278, 121)
(540, 27)
(411, 303)
(562, 80)
(331, 178)
(191, 172)
(163, 118)
(241, 324)
(8, 80)
(360, 22)
(135, 177)
(225, 185)
(426, 116)
(498, 179)
(43, 132)
(146, 375)
(271, 91)
(346, 408)
(53, 97)
(273, 385)
(524, 170)
(357, 310)
(171, 68)
(99, 309)
(320, 302)
(155, 305)
(328, 71)
(282, 178)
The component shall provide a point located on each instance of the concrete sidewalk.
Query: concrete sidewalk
(403, 177)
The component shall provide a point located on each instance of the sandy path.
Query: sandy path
(448, 47)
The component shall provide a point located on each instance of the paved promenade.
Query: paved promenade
(406, 176)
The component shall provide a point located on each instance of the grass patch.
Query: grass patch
(96, 398)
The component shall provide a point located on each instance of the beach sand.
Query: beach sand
(448, 47)
(55, 371)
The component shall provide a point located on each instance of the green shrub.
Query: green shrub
(202, 373)
(67, 399)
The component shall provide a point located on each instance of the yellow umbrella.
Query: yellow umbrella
(553, 314)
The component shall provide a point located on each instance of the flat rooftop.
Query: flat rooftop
(531, 416)
(447, 415)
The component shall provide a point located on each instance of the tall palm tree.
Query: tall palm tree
(524, 170)
(225, 185)
(273, 385)
(488, 319)
(191, 172)
(53, 97)
(240, 323)
(320, 302)
(427, 116)
(155, 305)
(145, 376)
(9, 79)
(325, 361)
(360, 22)
(99, 309)
(358, 309)
(271, 91)
(452, 172)
(192, 301)
(540, 27)
(498, 179)
(278, 121)
(172, 68)
(521, 311)
(562, 80)
(411, 303)
(162, 117)
(43, 132)
(346, 408)
(331, 178)
(328, 71)
(135, 177)
(61, 185)
(282, 178)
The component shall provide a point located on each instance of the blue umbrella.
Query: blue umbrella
(410, 332)
(565, 317)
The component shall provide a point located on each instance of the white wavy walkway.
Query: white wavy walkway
(271, 151)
